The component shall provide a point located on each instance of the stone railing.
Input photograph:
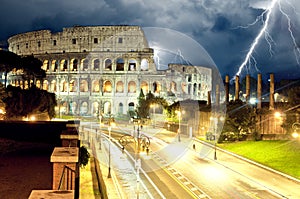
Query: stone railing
(65, 160)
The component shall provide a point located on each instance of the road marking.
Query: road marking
(184, 182)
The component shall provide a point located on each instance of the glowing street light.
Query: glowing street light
(295, 134)
(215, 120)
(179, 129)
(100, 120)
(153, 112)
(110, 125)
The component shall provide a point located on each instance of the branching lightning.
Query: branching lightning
(296, 48)
(249, 57)
(265, 17)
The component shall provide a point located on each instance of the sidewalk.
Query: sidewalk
(88, 185)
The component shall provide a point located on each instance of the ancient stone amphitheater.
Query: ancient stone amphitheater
(102, 69)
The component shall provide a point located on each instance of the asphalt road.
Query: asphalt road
(194, 173)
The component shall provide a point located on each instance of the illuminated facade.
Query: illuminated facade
(104, 68)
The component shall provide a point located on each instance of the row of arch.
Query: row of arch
(96, 64)
(107, 86)
(92, 108)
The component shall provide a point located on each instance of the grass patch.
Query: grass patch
(281, 155)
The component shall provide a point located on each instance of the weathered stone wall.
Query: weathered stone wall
(79, 39)
(102, 69)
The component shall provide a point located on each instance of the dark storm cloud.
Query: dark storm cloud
(215, 24)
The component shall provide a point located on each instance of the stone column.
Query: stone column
(272, 90)
(247, 88)
(237, 88)
(208, 98)
(259, 91)
(217, 94)
(227, 88)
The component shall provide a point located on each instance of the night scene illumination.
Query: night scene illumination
(150, 99)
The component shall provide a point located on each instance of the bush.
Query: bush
(84, 156)
(227, 137)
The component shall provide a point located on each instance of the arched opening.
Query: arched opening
(107, 108)
(72, 86)
(46, 66)
(26, 84)
(74, 65)
(120, 64)
(95, 86)
(132, 65)
(63, 86)
(64, 107)
(96, 64)
(156, 87)
(38, 83)
(54, 65)
(45, 85)
(53, 86)
(95, 109)
(195, 89)
(64, 65)
(108, 65)
(107, 87)
(144, 64)
(84, 108)
(173, 87)
(85, 64)
(73, 108)
(120, 87)
(131, 87)
(84, 86)
(131, 106)
(145, 87)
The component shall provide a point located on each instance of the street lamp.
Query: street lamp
(295, 134)
(110, 125)
(100, 118)
(179, 129)
(215, 121)
(153, 112)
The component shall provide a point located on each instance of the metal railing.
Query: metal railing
(67, 179)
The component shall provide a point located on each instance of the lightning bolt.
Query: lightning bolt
(296, 49)
(250, 59)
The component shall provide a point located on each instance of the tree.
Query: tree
(30, 65)
(240, 120)
(8, 61)
(21, 103)
(145, 102)
(292, 108)
(32, 68)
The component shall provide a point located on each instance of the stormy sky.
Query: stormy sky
(224, 28)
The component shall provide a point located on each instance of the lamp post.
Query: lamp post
(295, 134)
(110, 125)
(215, 121)
(153, 112)
(100, 118)
(179, 129)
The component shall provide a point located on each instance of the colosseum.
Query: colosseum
(103, 69)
